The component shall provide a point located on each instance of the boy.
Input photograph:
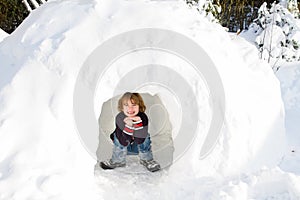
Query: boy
(131, 127)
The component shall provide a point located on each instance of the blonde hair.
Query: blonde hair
(134, 98)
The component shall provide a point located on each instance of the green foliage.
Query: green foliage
(12, 13)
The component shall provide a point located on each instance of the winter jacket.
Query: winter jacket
(126, 134)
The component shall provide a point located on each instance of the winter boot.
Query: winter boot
(111, 165)
(151, 165)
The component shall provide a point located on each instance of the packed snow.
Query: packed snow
(42, 156)
(3, 34)
(289, 76)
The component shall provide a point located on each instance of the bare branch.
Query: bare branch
(27, 5)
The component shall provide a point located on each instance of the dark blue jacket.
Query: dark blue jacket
(137, 134)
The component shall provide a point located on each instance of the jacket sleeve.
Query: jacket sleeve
(123, 135)
(141, 127)
(122, 126)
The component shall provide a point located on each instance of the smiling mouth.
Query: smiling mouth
(130, 113)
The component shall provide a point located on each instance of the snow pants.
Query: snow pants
(143, 150)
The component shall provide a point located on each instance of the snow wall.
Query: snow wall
(3, 35)
(39, 68)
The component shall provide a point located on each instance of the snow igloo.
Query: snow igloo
(62, 71)
(215, 97)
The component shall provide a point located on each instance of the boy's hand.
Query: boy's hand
(135, 118)
(128, 121)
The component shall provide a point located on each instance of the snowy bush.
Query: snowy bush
(277, 35)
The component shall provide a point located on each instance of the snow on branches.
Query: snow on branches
(277, 35)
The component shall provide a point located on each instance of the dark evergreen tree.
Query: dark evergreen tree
(12, 13)
(239, 14)
(234, 14)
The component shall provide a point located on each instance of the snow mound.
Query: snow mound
(42, 156)
(3, 34)
(289, 76)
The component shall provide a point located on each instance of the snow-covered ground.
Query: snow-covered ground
(3, 34)
(289, 76)
(42, 156)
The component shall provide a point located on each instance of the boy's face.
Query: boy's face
(130, 108)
